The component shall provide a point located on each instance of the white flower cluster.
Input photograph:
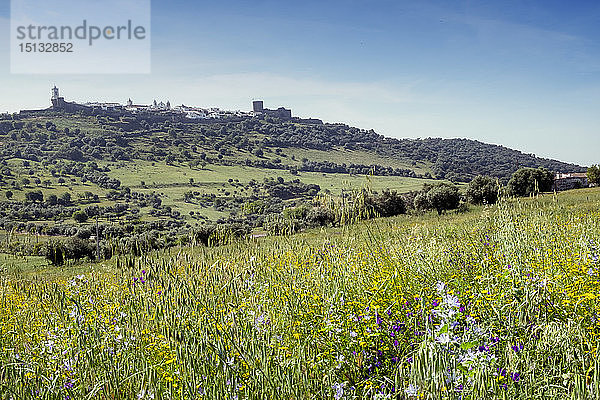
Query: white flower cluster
(466, 345)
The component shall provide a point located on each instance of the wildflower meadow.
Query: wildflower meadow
(496, 303)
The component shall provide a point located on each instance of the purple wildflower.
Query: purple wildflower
(517, 347)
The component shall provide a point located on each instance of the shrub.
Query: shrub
(440, 197)
(388, 203)
(527, 181)
(483, 189)
(80, 216)
(320, 216)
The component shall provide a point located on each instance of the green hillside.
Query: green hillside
(153, 179)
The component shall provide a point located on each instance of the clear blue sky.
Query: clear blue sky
(522, 74)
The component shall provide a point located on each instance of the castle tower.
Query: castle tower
(55, 94)
(129, 103)
(257, 106)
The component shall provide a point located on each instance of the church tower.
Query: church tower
(57, 101)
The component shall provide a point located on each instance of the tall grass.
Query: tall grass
(499, 303)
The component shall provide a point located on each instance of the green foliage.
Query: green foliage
(54, 252)
(527, 181)
(440, 197)
(483, 190)
(254, 207)
(321, 216)
(593, 174)
(298, 213)
(96, 153)
(73, 248)
(66, 198)
(34, 196)
(80, 216)
(387, 204)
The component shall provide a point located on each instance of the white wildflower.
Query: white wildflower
(338, 388)
(444, 338)
(440, 287)
(452, 301)
(411, 390)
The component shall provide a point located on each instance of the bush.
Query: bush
(80, 216)
(593, 174)
(55, 253)
(388, 203)
(483, 190)
(299, 212)
(34, 196)
(320, 216)
(527, 181)
(203, 233)
(74, 248)
(440, 197)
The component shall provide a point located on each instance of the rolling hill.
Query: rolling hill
(150, 179)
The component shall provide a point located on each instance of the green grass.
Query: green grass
(208, 180)
(334, 313)
(21, 263)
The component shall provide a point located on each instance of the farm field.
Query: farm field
(496, 303)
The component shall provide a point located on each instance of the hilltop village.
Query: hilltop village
(161, 110)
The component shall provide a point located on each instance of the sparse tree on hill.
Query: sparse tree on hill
(65, 198)
(52, 199)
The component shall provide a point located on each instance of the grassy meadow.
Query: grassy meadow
(496, 303)
(172, 181)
